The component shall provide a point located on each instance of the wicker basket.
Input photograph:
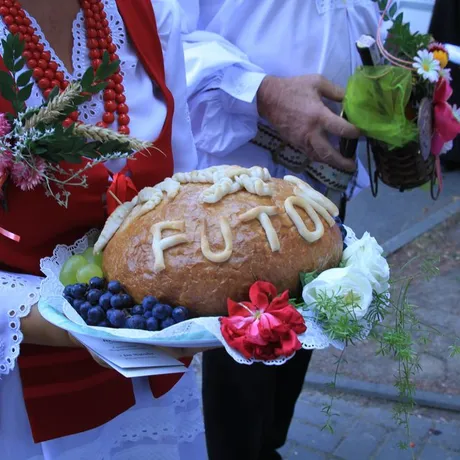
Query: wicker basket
(403, 168)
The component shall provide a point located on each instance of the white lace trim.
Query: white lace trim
(17, 295)
(91, 111)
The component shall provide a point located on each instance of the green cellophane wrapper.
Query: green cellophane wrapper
(376, 101)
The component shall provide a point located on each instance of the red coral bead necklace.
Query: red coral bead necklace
(46, 71)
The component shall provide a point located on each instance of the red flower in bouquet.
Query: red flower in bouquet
(264, 328)
(26, 176)
(446, 124)
(6, 160)
(5, 126)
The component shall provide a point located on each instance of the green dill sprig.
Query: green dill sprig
(394, 325)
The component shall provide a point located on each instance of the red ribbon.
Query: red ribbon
(121, 189)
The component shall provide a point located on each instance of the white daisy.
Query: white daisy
(445, 73)
(427, 66)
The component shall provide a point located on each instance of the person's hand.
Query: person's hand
(295, 108)
(178, 353)
(77, 343)
(38, 331)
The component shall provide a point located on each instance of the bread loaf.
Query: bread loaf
(201, 237)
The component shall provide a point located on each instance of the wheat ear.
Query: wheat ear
(105, 135)
(55, 108)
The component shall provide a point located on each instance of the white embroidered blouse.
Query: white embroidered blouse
(230, 45)
(168, 428)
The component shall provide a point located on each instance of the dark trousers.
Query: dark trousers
(248, 409)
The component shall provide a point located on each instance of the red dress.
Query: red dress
(65, 391)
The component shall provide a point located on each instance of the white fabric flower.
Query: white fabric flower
(448, 146)
(446, 74)
(365, 254)
(456, 112)
(427, 66)
(349, 282)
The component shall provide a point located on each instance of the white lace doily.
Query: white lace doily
(196, 332)
(26, 290)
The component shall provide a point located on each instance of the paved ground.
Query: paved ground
(393, 212)
(437, 303)
(365, 430)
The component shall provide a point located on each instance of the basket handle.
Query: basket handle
(374, 181)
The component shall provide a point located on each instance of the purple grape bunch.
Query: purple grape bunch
(107, 304)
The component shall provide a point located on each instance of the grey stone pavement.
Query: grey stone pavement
(365, 429)
(436, 304)
(393, 212)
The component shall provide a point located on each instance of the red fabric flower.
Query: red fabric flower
(446, 126)
(264, 328)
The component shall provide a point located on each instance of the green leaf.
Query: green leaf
(19, 64)
(8, 59)
(18, 106)
(24, 78)
(6, 79)
(399, 19)
(8, 93)
(97, 88)
(393, 10)
(74, 158)
(78, 100)
(21, 47)
(38, 150)
(17, 45)
(53, 94)
(91, 154)
(306, 278)
(107, 68)
(105, 58)
(25, 92)
(87, 79)
(114, 66)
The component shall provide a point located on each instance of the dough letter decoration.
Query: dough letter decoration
(219, 229)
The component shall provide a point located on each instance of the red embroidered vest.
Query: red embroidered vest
(65, 391)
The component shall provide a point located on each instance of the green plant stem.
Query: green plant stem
(327, 408)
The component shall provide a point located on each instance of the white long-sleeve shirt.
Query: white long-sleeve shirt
(230, 45)
(167, 428)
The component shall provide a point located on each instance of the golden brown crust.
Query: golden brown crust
(189, 278)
